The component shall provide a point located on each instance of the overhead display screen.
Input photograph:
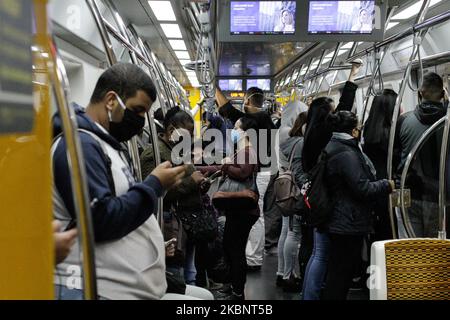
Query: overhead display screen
(230, 85)
(262, 17)
(341, 17)
(263, 84)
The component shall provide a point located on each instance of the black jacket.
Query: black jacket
(412, 125)
(318, 134)
(353, 187)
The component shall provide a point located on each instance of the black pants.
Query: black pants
(202, 261)
(237, 229)
(345, 255)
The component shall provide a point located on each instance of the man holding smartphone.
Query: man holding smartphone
(129, 245)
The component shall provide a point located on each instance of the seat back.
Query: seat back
(413, 269)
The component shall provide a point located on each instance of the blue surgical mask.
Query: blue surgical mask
(235, 135)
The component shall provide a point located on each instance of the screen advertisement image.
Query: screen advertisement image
(263, 84)
(262, 17)
(230, 85)
(341, 17)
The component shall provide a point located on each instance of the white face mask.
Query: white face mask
(177, 134)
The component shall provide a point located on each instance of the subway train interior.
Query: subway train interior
(224, 150)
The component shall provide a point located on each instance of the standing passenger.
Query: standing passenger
(423, 213)
(291, 229)
(351, 178)
(186, 196)
(253, 103)
(239, 223)
(376, 142)
(314, 247)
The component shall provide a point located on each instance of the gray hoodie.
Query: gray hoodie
(286, 150)
(288, 117)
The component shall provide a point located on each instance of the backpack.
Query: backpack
(287, 193)
(318, 201)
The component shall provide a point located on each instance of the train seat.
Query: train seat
(412, 269)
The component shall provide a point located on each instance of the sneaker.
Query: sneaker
(292, 285)
(214, 285)
(231, 296)
(358, 284)
(271, 251)
(226, 288)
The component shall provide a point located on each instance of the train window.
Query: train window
(295, 75)
(314, 65)
(327, 59)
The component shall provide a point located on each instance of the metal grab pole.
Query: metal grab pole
(78, 176)
(371, 85)
(409, 159)
(442, 233)
(110, 55)
(398, 103)
(152, 126)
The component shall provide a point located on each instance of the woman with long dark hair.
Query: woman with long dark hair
(314, 244)
(376, 143)
(377, 129)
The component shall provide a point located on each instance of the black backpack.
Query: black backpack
(200, 225)
(318, 201)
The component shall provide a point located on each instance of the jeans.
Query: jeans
(317, 267)
(64, 293)
(189, 265)
(345, 255)
(288, 247)
(237, 229)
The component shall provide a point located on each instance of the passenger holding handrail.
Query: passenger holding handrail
(129, 246)
(353, 187)
(314, 245)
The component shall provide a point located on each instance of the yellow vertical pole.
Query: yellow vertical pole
(194, 98)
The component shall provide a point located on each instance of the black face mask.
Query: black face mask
(130, 126)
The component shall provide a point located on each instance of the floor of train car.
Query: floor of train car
(261, 284)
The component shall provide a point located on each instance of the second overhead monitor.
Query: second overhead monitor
(341, 17)
(263, 84)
